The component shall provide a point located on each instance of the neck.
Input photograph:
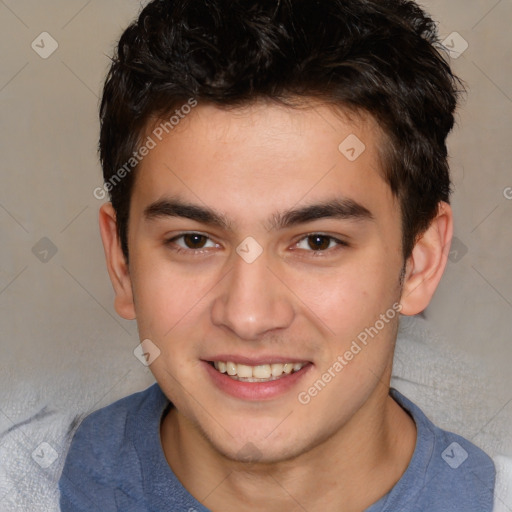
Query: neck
(347, 472)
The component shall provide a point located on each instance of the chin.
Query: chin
(253, 447)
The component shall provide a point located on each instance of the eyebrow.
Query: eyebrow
(339, 208)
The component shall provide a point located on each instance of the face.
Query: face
(260, 256)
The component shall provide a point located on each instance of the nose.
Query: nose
(252, 301)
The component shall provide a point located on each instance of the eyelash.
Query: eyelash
(171, 242)
(318, 253)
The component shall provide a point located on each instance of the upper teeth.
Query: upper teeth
(263, 371)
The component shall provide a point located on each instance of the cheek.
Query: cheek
(346, 296)
(165, 297)
(170, 309)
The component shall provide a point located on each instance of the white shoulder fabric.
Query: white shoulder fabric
(503, 490)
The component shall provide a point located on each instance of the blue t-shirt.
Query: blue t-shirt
(116, 463)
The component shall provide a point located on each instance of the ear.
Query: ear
(116, 263)
(427, 262)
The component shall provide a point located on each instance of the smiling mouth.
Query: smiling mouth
(259, 373)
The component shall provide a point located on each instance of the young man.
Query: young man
(279, 196)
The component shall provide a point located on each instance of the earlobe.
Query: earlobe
(116, 263)
(427, 262)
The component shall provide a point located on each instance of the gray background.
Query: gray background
(58, 324)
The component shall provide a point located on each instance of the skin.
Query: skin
(249, 164)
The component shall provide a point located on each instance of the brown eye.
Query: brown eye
(191, 243)
(319, 242)
(194, 240)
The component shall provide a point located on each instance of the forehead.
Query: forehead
(263, 156)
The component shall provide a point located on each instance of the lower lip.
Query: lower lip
(255, 391)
